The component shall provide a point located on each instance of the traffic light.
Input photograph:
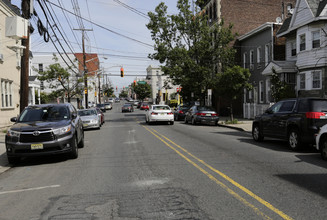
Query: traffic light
(134, 83)
(85, 91)
(121, 72)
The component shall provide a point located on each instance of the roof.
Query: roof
(285, 25)
(321, 6)
(280, 67)
(256, 30)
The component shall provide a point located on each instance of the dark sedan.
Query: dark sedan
(202, 115)
(44, 130)
(128, 107)
(179, 113)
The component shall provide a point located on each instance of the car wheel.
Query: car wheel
(13, 160)
(185, 120)
(74, 153)
(171, 123)
(256, 134)
(323, 148)
(294, 141)
(193, 121)
(81, 143)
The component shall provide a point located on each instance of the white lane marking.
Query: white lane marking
(30, 189)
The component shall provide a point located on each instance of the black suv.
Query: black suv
(43, 130)
(296, 120)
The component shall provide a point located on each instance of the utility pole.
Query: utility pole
(24, 72)
(84, 66)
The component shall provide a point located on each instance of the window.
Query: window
(259, 55)
(302, 80)
(268, 90)
(244, 60)
(316, 79)
(287, 106)
(6, 94)
(251, 59)
(261, 91)
(250, 94)
(267, 51)
(293, 49)
(316, 39)
(40, 67)
(302, 42)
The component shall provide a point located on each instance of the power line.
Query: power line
(105, 28)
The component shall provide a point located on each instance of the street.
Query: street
(131, 170)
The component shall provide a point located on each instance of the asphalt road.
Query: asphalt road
(131, 170)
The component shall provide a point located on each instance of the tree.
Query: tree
(189, 48)
(109, 91)
(123, 94)
(280, 89)
(61, 79)
(142, 91)
(231, 84)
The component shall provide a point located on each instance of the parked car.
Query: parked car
(201, 114)
(90, 118)
(135, 103)
(128, 107)
(117, 100)
(144, 106)
(296, 120)
(179, 112)
(101, 115)
(102, 107)
(45, 130)
(108, 105)
(159, 113)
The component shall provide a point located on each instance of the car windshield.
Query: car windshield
(47, 113)
(87, 112)
(161, 107)
(127, 105)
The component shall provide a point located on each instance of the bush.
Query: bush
(235, 121)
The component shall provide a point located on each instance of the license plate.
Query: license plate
(208, 114)
(85, 125)
(162, 114)
(36, 146)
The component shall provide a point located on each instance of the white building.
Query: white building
(161, 86)
(10, 57)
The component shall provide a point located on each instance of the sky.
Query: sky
(108, 17)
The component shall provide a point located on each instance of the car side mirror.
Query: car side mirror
(74, 115)
(269, 111)
(13, 119)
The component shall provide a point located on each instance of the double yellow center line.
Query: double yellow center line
(188, 157)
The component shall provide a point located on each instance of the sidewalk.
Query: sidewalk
(4, 165)
(242, 125)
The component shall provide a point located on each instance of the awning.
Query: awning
(280, 67)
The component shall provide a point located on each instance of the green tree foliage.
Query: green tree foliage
(142, 91)
(61, 79)
(232, 82)
(189, 48)
(109, 91)
(280, 89)
(123, 94)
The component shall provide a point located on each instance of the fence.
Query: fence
(250, 110)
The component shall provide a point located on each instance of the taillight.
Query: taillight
(154, 113)
(214, 114)
(181, 112)
(170, 113)
(314, 115)
(201, 114)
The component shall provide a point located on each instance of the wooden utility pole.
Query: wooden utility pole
(86, 92)
(24, 72)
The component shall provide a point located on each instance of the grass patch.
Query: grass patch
(235, 121)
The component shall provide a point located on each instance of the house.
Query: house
(10, 57)
(245, 17)
(161, 86)
(260, 52)
(306, 36)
